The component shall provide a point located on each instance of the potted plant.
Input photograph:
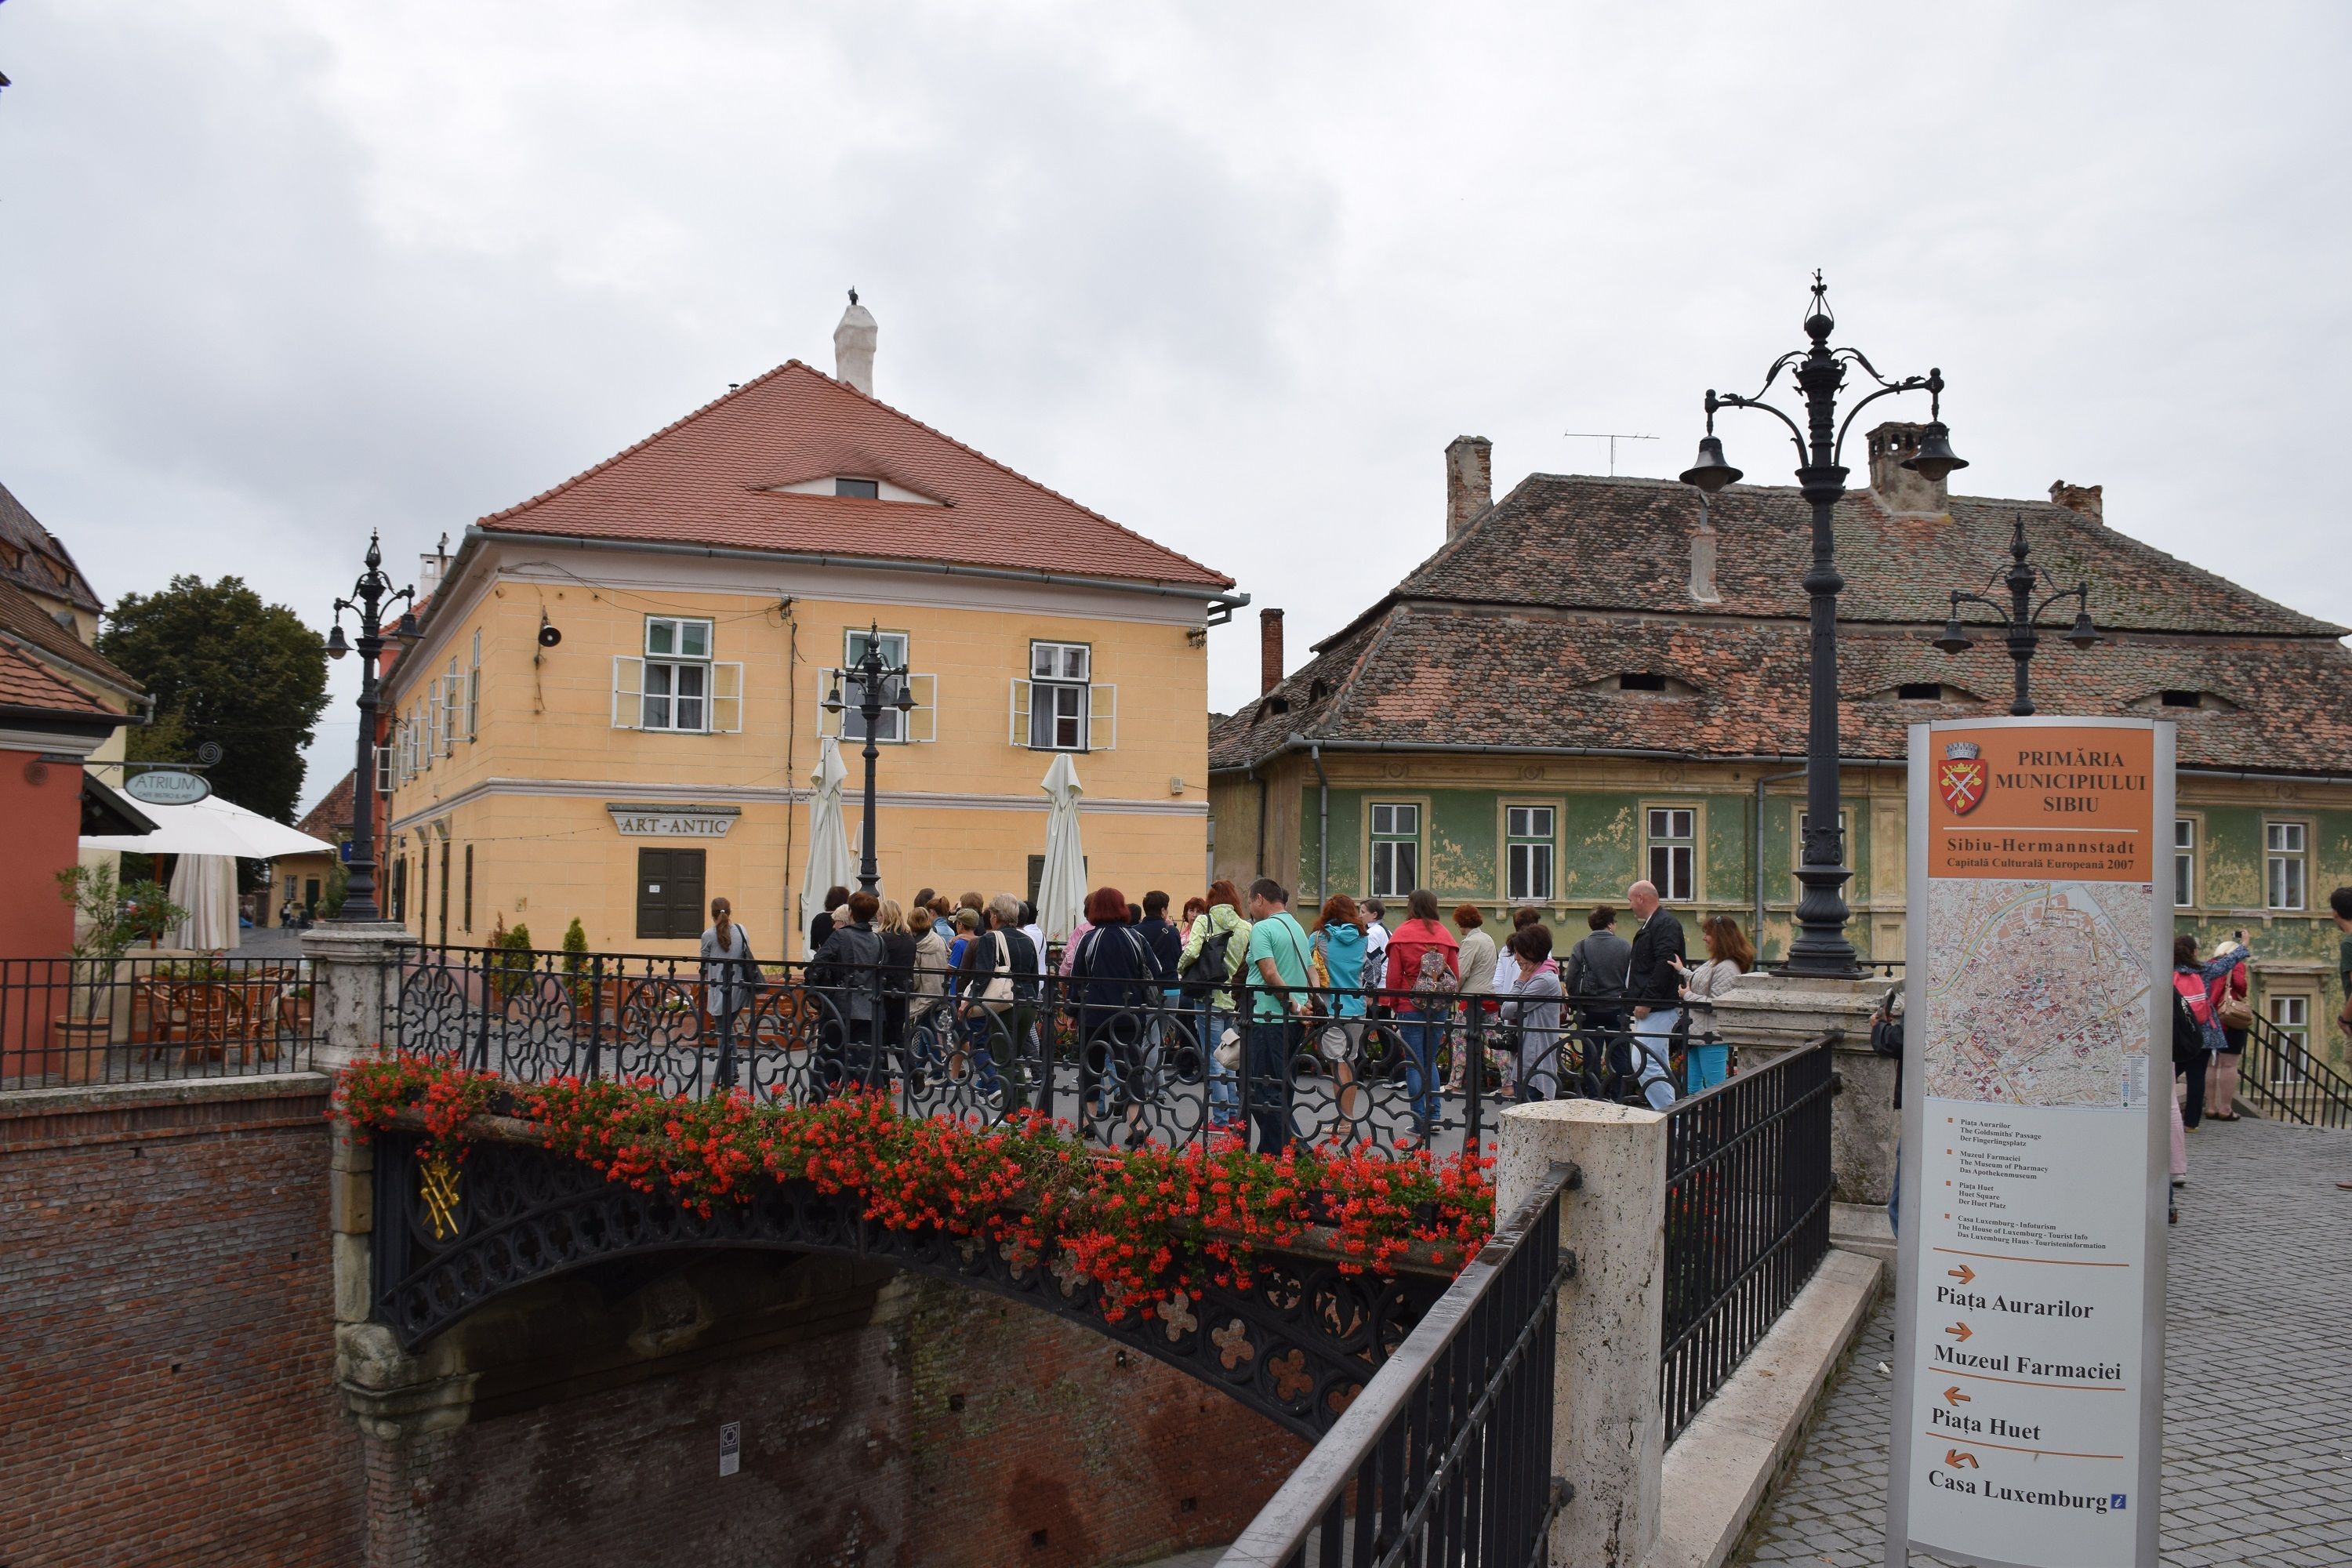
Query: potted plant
(109, 917)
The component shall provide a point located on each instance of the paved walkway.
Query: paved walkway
(2257, 1422)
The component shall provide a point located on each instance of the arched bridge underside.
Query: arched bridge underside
(1296, 1346)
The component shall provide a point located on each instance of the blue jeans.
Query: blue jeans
(1420, 1029)
(1224, 1082)
(1652, 1037)
(1706, 1066)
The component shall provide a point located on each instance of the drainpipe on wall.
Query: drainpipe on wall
(1756, 855)
(1322, 816)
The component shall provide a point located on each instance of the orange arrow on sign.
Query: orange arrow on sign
(1961, 1332)
(1960, 1461)
(1953, 1396)
(1964, 1274)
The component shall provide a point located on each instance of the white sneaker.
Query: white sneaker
(2179, 1181)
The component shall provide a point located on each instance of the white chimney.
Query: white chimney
(853, 346)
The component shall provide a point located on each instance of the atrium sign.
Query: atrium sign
(672, 821)
(166, 786)
(2029, 1387)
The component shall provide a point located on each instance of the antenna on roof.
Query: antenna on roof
(1611, 436)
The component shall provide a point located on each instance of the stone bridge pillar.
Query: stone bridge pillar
(355, 984)
(1609, 1430)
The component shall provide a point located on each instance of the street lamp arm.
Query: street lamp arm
(1888, 389)
(2080, 592)
(1793, 357)
(1796, 432)
(2003, 617)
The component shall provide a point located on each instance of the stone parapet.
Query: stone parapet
(1768, 1015)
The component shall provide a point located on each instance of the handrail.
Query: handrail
(1417, 1386)
(2316, 1095)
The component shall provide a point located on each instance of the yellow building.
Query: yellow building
(613, 706)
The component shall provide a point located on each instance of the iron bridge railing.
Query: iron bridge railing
(137, 1019)
(1447, 1455)
(1130, 1061)
(1748, 1217)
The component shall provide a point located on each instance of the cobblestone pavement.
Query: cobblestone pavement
(2258, 1401)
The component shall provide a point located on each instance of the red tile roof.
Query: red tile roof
(332, 815)
(25, 685)
(22, 619)
(711, 479)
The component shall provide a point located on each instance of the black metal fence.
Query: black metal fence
(1129, 1060)
(1748, 1217)
(1445, 1457)
(2279, 1071)
(126, 1020)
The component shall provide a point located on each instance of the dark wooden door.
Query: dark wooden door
(669, 892)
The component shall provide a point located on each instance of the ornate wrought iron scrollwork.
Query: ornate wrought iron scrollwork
(1297, 1344)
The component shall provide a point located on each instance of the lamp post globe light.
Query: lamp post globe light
(371, 597)
(1821, 948)
(2017, 619)
(881, 686)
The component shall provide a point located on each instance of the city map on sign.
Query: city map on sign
(2037, 992)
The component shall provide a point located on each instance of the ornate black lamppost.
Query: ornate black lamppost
(879, 686)
(2018, 620)
(1821, 947)
(371, 597)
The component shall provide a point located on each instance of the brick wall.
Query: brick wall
(166, 1355)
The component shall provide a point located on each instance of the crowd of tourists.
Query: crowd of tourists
(1236, 992)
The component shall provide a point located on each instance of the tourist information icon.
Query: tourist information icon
(2029, 1329)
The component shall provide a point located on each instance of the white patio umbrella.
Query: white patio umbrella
(1062, 886)
(205, 885)
(829, 862)
(210, 827)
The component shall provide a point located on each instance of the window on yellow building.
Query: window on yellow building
(1060, 707)
(676, 685)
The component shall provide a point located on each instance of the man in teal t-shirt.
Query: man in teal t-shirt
(1276, 968)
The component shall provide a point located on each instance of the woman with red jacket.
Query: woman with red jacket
(1424, 973)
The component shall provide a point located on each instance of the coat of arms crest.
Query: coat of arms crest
(1961, 779)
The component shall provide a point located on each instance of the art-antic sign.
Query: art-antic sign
(672, 821)
(2030, 1331)
(166, 786)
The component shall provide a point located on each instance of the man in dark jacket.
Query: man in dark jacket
(1000, 1033)
(1655, 989)
(1595, 977)
(846, 973)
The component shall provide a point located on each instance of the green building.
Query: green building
(1591, 681)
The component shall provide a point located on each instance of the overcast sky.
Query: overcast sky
(273, 274)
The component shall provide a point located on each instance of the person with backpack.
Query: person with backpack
(1424, 975)
(1113, 979)
(1280, 997)
(2194, 981)
(1206, 968)
(845, 972)
(729, 981)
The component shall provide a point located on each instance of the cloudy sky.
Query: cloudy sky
(272, 274)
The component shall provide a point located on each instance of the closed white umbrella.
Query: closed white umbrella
(829, 862)
(205, 885)
(1061, 885)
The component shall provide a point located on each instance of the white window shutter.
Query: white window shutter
(1019, 735)
(628, 691)
(826, 723)
(1102, 718)
(383, 770)
(725, 699)
(474, 703)
(453, 711)
(923, 723)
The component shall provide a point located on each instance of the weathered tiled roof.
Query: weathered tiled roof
(32, 557)
(22, 618)
(714, 478)
(1515, 632)
(27, 687)
(1576, 542)
(332, 814)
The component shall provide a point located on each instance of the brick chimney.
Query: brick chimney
(1897, 487)
(2083, 499)
(1269, 651)
(1469, 480)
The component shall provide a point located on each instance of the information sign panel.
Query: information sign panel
(2037, 1026)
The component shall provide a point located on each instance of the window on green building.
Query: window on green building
(1396, 850)
(1673, 852)
(2292, 1016)
(2184, 862)
(1527, 854)
(2283, 864)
